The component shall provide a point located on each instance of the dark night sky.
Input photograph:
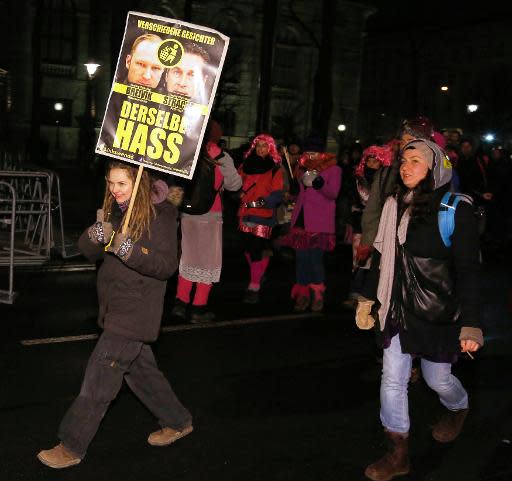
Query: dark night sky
(400, 14)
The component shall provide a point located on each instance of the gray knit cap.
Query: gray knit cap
(436, 158)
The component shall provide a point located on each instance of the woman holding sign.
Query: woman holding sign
(131, 286)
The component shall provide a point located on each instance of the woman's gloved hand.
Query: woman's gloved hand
(364, 320)
(471, 339)
(100, 232)
(363, 252)
(308, 177)
(121, 246)
(175, 195)
(318, 182)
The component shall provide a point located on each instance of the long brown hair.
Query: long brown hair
(143, 210)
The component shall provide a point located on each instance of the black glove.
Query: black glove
(318, 183)
(100, 232)
(121, 246)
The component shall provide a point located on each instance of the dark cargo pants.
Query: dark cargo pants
(116, 358)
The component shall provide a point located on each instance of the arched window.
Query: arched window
(227, 23)
(286, 61)
(5, 101)
(58, 32)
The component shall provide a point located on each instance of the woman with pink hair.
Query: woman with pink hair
(373, 158)
(262, 192)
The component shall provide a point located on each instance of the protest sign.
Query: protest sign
(163, 90)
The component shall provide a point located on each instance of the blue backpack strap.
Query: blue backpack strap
(446, 215)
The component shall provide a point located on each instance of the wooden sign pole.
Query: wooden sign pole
(287, 157)
(132, 200)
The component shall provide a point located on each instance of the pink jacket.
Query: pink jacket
(319, 205)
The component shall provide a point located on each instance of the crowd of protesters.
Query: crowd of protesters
(414, 273)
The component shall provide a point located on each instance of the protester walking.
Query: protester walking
(201, 228)
(373, 159)
(131, 286)
(312, 232)
(427, 297)
(262, 192)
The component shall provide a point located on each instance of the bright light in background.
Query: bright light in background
(472, 108)
(58, 106)
(489, 137)
(342, 128)
(444, 88)
(91, 68)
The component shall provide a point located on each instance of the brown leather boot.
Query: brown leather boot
(449, 426)
(395, 462)
(58, 457)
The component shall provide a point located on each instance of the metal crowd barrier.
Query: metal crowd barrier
(33, 225)
(31, 219)
(7, 295)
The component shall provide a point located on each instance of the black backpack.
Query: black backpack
(200, 191)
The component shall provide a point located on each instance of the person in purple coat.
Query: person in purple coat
(312, 232)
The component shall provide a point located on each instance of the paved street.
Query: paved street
(274, 396)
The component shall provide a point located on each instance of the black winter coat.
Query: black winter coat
(440, 339)
(131, 293)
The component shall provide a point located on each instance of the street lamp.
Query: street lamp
(341, 138)
(90, 101)
(87, 133)
(91, 68)
(444, 88)
(472, 108)
(58, 107)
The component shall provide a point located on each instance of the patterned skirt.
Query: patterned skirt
(298, 238)
(259, 230)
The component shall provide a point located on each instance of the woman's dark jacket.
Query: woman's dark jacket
(131, 293)
(438, 338)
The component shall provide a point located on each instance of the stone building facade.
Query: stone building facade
(46, 95)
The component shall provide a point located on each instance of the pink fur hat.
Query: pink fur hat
(269, 140)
